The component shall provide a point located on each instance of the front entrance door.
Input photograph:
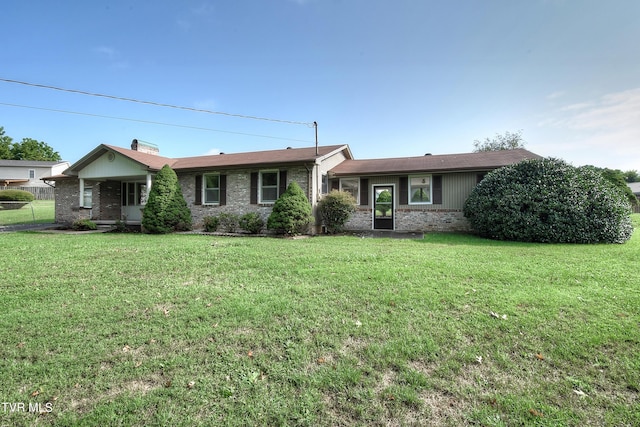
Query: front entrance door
(134, 197)
(383, 207)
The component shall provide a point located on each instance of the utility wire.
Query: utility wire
(157, 104)
(151, 122)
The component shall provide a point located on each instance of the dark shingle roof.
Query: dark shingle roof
(255, 158)
(434, 163)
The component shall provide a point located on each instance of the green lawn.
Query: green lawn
(133, 329)
(43, 212)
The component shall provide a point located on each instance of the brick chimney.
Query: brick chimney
(145, 147)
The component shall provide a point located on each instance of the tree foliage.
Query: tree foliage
(631, 176)
(27, 149)
(291, 213)
(335, 210)
(618, 179)
(548, 200)
(508, 141)
(166, 210)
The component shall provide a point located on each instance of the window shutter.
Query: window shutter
(437, 189)
(283, 183)
(223, 189)
(403, 198)
(364, 191)
(198, 190)
(335, 184)
(253, 196)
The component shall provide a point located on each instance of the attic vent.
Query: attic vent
(427, 154)
(289, 148)
(144, 147)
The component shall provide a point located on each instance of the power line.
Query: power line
(151, 122)
(157, 104)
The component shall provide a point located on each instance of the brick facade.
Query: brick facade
(427, 220)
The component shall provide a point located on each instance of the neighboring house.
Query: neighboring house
(27, 175)
(635, 189)
(409, 194)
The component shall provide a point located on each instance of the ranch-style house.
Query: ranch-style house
(424, 193)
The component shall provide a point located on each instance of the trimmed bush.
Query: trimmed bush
(251, 222)
(166, 210)
(84, 225)
(335, 210)
(291, 213)
(228, 222)
(548, 200)
(16, 196)
(210, 223)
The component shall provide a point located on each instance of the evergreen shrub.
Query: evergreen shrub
(84, 225)
(166, 210)
(210, 223)
(251, 222)
(548, 200)
(335, 210)
(291, 213)
(228, 222)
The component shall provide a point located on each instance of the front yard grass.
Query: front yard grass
(43, 212)
(133, 329)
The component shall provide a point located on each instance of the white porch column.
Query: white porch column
(81, 197)
(148, 185)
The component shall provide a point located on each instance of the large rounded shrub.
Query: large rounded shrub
(548, 200)
(166, 210)
(14, 196)
(335, 210)
(291, 213)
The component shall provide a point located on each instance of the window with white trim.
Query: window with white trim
(420, 190)
(211, 189)
(351, 185)
(87, 197)
(269, 182)
(325, 183)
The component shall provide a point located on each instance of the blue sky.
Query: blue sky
(389, 78)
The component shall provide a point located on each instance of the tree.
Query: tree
(508, 141)
(291, 213)
(166, 210)
(5, 145)
(631, 176)
(27, 149)
(30, 149)
(549, 201)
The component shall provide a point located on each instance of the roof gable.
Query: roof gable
(148, 161)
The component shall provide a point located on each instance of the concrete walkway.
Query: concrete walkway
(26, 227)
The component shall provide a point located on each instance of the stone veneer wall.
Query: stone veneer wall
(238, 194)
(414, 220)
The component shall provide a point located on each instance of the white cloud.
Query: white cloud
(212, 152)
(604, 131)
